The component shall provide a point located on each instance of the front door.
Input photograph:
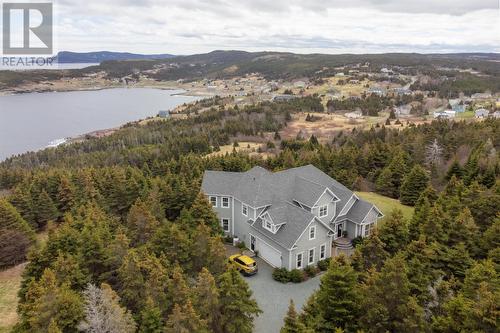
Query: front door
(252, 243)
(339, 230)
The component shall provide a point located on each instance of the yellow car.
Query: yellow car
(244, 264)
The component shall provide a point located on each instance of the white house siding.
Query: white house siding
(303, 244)
(325, 199)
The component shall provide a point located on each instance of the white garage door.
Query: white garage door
(269, 254)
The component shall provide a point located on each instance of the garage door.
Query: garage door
(269, 254)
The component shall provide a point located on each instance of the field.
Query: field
(243, 147)
(10, 281)
(385, 204)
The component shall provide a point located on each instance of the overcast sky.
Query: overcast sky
(305, 26)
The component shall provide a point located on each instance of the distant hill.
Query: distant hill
(98, 57)
(281, 65)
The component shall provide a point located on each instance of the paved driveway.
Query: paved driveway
(273, 297)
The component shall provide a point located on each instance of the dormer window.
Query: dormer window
(244, 210)
(323, 211)
(268, 225)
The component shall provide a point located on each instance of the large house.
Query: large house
(291, 218)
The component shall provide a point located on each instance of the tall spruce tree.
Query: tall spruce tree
(237, 306)
(292, 323)
(337, 298)
(16, 236)
(386, 303)
(394, 232)
(414, 183)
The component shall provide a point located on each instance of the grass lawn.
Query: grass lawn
(466, 115)
(385, 204)
(10, 280)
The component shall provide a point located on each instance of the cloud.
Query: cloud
(328, 26)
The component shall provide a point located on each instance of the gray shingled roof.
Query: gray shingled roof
(358, 211)
(261, 188)
(297, 220)
(306, 192)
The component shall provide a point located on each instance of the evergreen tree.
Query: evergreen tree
(21, 199)
(292, 323)
(237, 307)
(491, 237)
(371, 253)
(206, 298)
(202, 213)
(394, 232)
(454, 170)
(141, 223)
(390, 179)
(45, 209)
(16, 236)
(414, 183)
(151, 320)
(386, 304)
(65, 195)
(46, 302)
(337, 298)
(185, 320)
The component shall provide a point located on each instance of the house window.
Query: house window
(322, 252)
(225, 225)
(244, 210)
(268, 225)
(323, 211)
(225, 202)
(311, 256)
(299, 260)
(368, 229)
(213, 201)
(312, 232)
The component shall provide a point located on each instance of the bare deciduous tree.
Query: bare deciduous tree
(103, 313)
(433, 154)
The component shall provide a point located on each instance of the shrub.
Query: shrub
(323, 264)
(357, 240)
(296, 275)
(241, 245)
(281, 275)
(228, 239)
(311, 271)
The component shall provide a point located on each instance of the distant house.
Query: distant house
(164, 114)
(403, 110)
(377, 91)
(481, 113)
(458, 108)
(354, 115)
(447, 114)
(496, 115)
(353, 81)
(402, 91)
(481, 96)
(283, 98)
(291, 218)
(299, 84)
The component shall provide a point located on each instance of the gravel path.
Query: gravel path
(273, 297)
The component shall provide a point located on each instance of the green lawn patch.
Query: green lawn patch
(385, 204)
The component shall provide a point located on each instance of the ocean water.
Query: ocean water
(29, 122)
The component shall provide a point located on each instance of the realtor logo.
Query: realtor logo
(27, 28)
